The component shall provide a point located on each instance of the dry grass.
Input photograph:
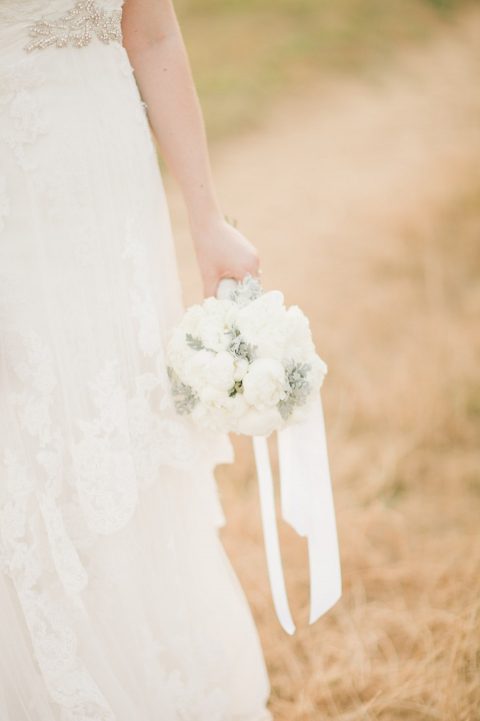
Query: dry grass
(370, 220)
(404, 424)
(246, 53)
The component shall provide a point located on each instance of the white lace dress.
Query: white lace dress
(117, 600)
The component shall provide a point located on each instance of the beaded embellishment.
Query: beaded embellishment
(76, 27)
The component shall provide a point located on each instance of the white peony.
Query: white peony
(211, 333)
(258, 423)
(212, 328)
(237, 405)
(196, 369)
(318, 371)
(241, 367)
(262, 323)
(264, 384)
(222, 371)
(210, 371)
(179, 353)
(219, 312)
(299, 342)
(191, 319)
(205, 369)
(211, 397)
(217, 410)
(202, 415)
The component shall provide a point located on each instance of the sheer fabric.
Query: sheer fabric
(117, 600)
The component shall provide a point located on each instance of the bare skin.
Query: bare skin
(155, 46)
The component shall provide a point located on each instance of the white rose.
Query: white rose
(264, 383)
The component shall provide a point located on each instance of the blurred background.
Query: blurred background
(345, 142)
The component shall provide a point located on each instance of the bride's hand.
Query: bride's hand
(223, 252)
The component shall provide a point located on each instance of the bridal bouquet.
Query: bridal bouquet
(245, 362)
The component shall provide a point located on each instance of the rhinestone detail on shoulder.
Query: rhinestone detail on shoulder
(76, 27)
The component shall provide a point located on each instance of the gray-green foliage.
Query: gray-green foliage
(194, 342)
(236, 388)
(238, 347)
(246, 290)
(184, 397)
(298, 387)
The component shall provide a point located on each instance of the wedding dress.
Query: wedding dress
(117, 599)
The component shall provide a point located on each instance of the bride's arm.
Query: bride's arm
(155, 46)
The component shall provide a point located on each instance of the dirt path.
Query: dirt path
(344, 181)
(363, 198)
(337, 167)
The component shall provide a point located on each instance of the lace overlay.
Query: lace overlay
(108, 505)
(26, 120)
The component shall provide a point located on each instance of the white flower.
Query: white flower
(264, 383)
(212, 334)
(219, 411)
(191, 318)
(237, 406)
(196, 369)
(318, 371)
(241, 367)
(222, 371)
(258, 423)
(212, 397)
(298, 334)
(205, 370)
(203, 417)
(282, 341)
(178, 352)
(217, 319)
(262, 323)
(218, 311)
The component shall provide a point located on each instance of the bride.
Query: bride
(117, 600)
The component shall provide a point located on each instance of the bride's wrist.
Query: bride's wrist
(202, 223)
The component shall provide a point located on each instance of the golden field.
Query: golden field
(361, 189)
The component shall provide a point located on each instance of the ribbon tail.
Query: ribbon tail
(307, 504)
(270, 532)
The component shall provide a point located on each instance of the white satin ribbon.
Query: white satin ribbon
(307, 505)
